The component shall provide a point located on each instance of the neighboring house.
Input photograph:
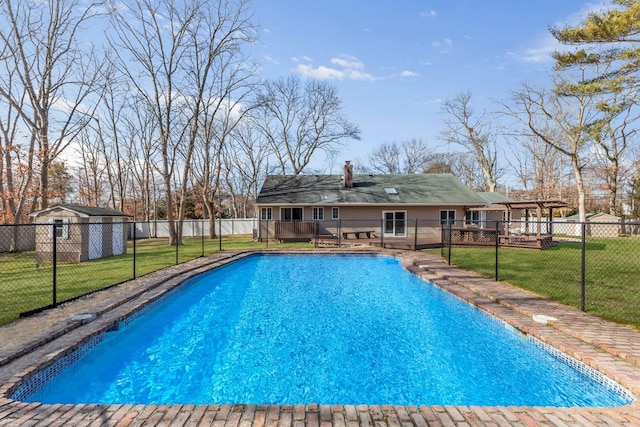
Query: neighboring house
(366, 206)
(82, 233)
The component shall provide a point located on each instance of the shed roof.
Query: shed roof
(425, 189)
(82, 211)
(595, 216)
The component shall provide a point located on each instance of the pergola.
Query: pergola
(539, 206)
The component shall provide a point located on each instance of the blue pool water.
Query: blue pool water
(322, 329)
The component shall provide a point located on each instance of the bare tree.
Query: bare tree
(613, 132)
(175, 46)
(244, 166)
(154, 35)
(386, 159)
(56, 79)
(472, 132)
(299, 120)
(562, 122)
(406, 157)
(16, 161)
(91, 174)
(142, 151)
(538, 167)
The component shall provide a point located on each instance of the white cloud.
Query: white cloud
(269, 58)
(408, 74)
(345, 67)
(542, 52)
(443, 45)
(542, 48)
(347, 61)
(320, 73)
(301, 59)
(428, 14)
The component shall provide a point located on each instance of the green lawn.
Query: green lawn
(612, 267)
(26, 285)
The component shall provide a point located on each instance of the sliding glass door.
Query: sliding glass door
(395, 223)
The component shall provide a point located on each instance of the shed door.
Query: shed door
(117, 240)
(95, 238)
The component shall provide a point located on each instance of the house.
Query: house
(81, 232)
(384, 207)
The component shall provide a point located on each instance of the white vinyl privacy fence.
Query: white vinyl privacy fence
(197, 228)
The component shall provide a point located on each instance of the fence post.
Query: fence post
(54, 260)
(497, 246)
(267, 240)
(339, 233)
(202, 235)
(415, 235)
(382, 233)
(449, 243)
(220, 233)
(134, 249)
(178, 238)
(583, 251)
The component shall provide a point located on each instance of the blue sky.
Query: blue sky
(393, 62)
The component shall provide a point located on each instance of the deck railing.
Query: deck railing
(295, 230)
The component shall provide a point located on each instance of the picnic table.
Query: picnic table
(358, 234)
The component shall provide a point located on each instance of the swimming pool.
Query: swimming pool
(338, 329)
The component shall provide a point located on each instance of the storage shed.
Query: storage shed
(597, 225)
(81, 232)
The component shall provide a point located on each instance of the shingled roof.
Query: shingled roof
(83, 211)
(424, 189)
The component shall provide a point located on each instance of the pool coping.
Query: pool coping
(574, 333)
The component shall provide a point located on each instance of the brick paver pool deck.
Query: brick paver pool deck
(35, 342)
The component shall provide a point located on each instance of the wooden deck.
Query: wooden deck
(474, 237)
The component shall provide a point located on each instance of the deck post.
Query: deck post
(415, 235)
(449, 244)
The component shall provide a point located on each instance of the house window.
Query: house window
(266, 214)
(335, 213)
(474, 218)
(318, 214)
(395, 223)
(447, 218)
(290, 214)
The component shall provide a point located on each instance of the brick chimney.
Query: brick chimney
(347, 175)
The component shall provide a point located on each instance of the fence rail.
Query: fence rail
(591, 266)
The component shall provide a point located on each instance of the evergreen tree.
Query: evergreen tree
(609, 44)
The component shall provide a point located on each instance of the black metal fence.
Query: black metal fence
(43, 265)
(591, 266)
